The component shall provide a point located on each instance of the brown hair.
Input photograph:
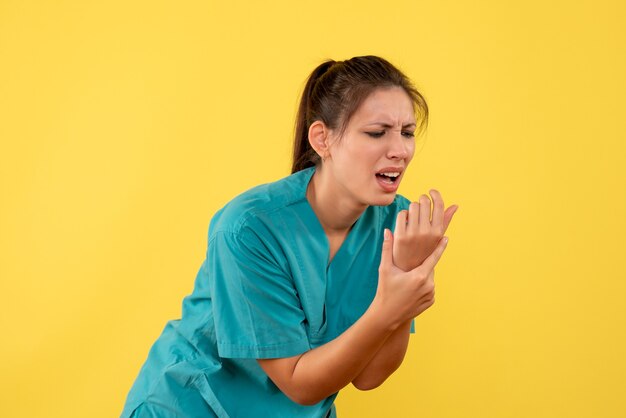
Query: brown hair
(336, 89)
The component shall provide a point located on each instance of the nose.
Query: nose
(398, 147)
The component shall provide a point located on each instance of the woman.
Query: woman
(295, 298)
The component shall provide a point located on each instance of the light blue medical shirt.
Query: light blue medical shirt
(265, 290)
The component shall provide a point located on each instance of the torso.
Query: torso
(189, 360)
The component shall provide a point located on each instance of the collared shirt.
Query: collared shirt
(264, 290)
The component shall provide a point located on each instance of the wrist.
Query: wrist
(381, 317)
(408, 265)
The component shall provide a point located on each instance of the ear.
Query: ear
(319, 138)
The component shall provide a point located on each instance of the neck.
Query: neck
(335, 210)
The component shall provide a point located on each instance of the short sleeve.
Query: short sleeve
(255, 305)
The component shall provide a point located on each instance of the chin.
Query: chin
(383, 200)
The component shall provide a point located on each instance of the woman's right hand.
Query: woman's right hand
(401, 296)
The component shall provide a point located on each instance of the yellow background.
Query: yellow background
(125, 126)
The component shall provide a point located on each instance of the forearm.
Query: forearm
(326, 369)
(386, 360)
(391, 354)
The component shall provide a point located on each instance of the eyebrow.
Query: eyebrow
(386, 125)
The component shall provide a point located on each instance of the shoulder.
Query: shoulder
(252, 208)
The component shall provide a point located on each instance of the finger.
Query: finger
(401, 222)
(424, 221)
(434, 257)
(413, 218)
(386, 257)
(447, 216)
(425, 305)
(437, 209)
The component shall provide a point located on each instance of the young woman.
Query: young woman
(304, 288)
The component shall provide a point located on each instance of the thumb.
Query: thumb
(447, 216)
(386, 258)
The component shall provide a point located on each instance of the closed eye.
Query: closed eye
(378, 134)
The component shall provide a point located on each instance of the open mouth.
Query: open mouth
(389, 177)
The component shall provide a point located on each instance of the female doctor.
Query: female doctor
(304, 288)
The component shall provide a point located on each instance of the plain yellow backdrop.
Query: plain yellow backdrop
(125, 125)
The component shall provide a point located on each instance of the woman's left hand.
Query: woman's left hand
(416, 235)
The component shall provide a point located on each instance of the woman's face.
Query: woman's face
(369, 161)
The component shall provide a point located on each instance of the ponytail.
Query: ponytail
(303, 155)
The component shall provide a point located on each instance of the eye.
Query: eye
(376, 134)
(408, 134)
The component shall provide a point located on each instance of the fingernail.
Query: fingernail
(445, 240)
(387, 234)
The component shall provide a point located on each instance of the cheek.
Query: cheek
(359, 155)
(411, 150)
(369, 152)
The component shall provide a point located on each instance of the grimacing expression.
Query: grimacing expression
(369, 160)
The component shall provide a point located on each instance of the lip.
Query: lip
(389, 187)
(391, 170)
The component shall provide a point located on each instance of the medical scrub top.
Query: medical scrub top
(264, 290)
